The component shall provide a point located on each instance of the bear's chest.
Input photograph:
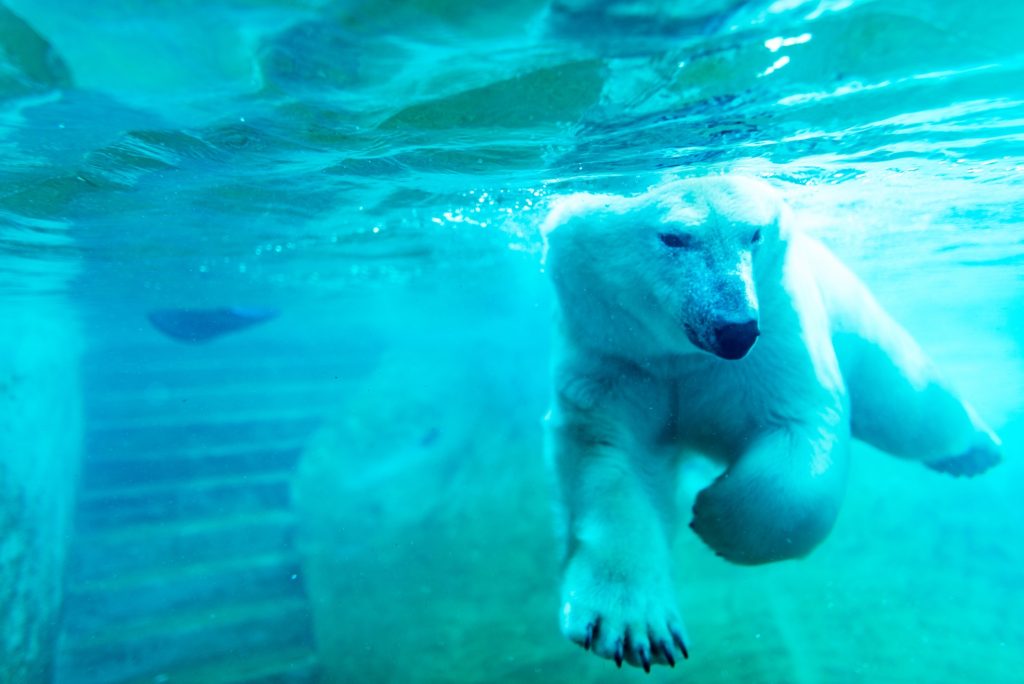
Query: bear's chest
(718, 406)
(716, 412)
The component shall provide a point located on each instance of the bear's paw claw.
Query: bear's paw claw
(635, 623)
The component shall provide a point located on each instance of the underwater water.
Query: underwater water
(275, 330)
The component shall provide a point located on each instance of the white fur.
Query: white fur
(635, 390)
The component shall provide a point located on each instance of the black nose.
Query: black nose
(734, 340)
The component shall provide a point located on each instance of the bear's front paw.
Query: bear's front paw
(754, 528)
(622, 619)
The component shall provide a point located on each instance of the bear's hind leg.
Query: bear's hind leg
(900, 404)
(778, 500)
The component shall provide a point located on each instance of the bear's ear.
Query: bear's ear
(569, 213)
(562, 211)
(567, 207)
(770, 204)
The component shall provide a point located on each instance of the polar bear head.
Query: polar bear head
(675, 270)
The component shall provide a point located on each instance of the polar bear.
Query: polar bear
(696, 318)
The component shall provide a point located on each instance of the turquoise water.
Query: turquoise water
(374, 175)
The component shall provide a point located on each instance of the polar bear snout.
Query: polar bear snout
(734, 340)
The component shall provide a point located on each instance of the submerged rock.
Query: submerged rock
(423, 505)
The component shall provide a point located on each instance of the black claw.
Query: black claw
(666, 651)
(618, 653)
(645, 659)
(680, 643)
(590, 636)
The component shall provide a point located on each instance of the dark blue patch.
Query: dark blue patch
(202, 325)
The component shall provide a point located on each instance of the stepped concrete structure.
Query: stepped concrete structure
(183, 566)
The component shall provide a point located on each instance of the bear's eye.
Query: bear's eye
(676, 240)
(756, 237)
